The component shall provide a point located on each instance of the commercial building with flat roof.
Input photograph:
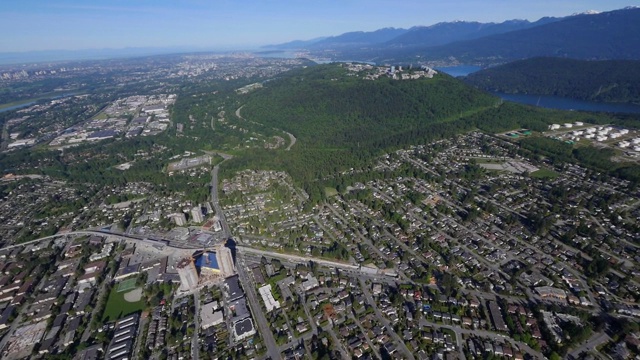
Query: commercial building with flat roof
(211, 315)
(232, 288)
(267, 296)
(243, 329)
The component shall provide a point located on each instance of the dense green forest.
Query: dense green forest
(342, 121)
(325, 108)
(604, 81)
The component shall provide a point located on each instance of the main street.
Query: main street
(297, 258)
(215, 200)
(195, 341)
(248, 285)
(264, 329)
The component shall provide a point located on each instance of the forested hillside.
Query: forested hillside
(325, 108)
(605, 81)
(343, 122)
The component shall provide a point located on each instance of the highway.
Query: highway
(297, 258)
(117, 235)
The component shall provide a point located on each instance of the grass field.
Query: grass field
(126, 285)
(544, 173)
(100, 116)
(329, 191)
(117, 307)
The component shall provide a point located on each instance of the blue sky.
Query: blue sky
(222, 24)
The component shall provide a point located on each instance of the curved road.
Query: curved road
(292, 139)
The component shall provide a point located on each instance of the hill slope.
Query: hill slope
(606, 81)
(342, 121)
(323, 107)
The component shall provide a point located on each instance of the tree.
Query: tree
(555, 356)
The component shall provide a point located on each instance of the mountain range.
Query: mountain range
(438, 34)
(608, 35)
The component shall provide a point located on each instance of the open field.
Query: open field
(544, 173)
(329, 191)
(118, 307)
(100, 116)
(126, 285)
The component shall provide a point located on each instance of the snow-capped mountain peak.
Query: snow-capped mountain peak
(588, 12)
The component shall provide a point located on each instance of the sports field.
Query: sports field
(126, 285)
(544, 173)
(118, 306)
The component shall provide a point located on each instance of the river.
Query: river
(459, 70)
(547, 101)
(18, 106)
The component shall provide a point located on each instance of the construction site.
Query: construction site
(205, 267)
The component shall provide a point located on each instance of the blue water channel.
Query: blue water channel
(548, 101)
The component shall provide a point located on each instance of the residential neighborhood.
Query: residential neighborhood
(422, 260)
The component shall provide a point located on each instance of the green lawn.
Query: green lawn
(100, 116)
(329, 191)
(544, 173)
(488, 161)
(126, 285)
(117, 307)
